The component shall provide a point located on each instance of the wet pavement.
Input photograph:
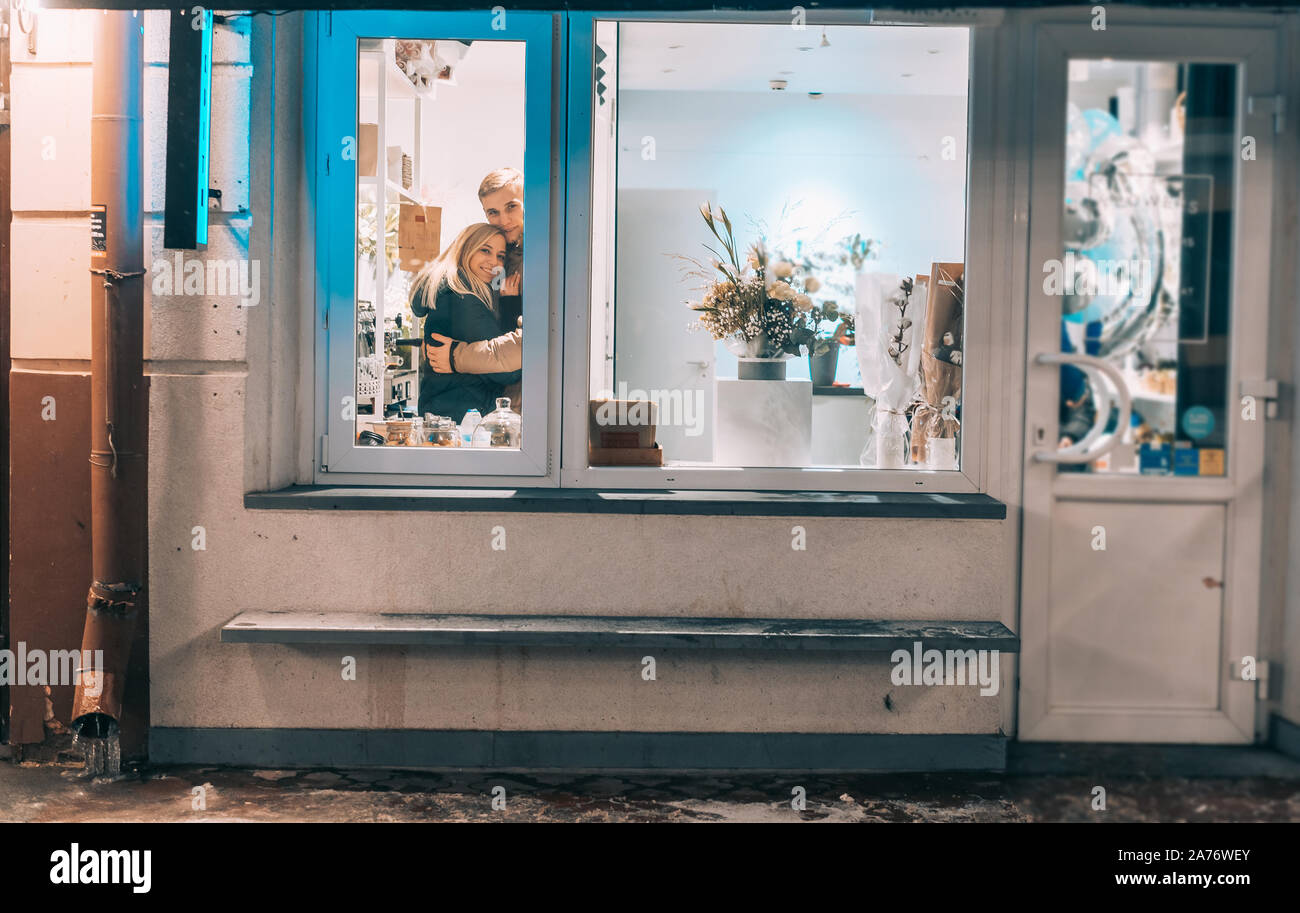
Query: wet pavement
(1256, 786)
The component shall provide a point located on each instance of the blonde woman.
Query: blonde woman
(456, 293)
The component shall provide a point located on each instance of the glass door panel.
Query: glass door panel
(1145, 276)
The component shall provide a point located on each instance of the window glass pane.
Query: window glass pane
(1146, 275)
(440, 155)
(805, 192)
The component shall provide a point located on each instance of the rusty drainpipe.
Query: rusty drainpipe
(119, 410)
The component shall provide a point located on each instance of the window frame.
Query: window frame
(564, 110)
(979, 293)
(334, 75)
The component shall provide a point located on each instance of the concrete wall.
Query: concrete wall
(232, 391)
(232, 397)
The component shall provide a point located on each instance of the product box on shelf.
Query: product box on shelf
(419, 232)
(622, 423)
(367, 149)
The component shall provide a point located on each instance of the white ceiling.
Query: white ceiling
(730, 57)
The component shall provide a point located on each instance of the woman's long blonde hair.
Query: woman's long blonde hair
(452, 266)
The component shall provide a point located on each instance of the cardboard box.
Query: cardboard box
(367, 149)
(625, 456)
(622, 424)
(419, 233)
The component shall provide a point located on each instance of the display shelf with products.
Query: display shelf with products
(380, 139)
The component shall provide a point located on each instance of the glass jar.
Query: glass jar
(500, 427)
(399, 433)
(444, 433)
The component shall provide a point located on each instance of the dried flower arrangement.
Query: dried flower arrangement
(759, 308)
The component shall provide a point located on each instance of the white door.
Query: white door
(1149, 252)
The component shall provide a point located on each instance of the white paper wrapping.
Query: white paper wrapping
(897, 379)
(869, 289)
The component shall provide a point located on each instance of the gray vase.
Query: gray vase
(822, 368)
(760, 368)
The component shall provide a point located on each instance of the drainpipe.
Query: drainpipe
(119, 410)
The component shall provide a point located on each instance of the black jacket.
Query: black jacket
(466, 318)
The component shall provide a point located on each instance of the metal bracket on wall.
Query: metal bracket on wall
(1263, 103)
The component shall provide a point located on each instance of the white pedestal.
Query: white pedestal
(763, 423)
(840, 425)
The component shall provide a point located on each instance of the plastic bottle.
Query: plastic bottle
(467, 426)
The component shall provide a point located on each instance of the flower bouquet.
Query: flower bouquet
(890, 357)
(935, 420)
(757, 308)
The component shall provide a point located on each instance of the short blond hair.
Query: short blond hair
(502, 177)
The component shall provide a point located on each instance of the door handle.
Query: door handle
(1079, 452)
(1267, 390)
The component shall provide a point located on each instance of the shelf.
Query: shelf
(401, 191)
(396, 85)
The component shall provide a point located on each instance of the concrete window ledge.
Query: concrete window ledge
(921, 505)
(856, 635)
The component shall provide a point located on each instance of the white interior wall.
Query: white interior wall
(473, 128)
(858, 163)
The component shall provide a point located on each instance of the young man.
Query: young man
(501, 195)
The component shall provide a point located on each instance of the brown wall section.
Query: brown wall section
(50, 527)
(50, 554)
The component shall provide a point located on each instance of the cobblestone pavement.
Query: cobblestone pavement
(54, 791)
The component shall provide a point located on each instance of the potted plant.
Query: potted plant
(831, 329)
(838, 263)
(756, 308)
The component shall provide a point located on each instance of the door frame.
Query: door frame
(1208, 39)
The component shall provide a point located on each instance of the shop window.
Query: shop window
(759, 280)
(441, 148)
(778, 246)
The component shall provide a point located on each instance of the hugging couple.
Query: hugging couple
(470, 299)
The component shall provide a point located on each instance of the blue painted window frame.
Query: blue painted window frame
(332, 124)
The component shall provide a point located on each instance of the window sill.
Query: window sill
(891, 505)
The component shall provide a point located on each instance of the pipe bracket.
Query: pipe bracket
(112, 598)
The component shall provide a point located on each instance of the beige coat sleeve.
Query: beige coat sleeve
(504, 353)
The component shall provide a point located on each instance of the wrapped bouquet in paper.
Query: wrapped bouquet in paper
(934, 422)
(889, 359)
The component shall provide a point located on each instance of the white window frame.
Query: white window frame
(981, 287)
(332, 75)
